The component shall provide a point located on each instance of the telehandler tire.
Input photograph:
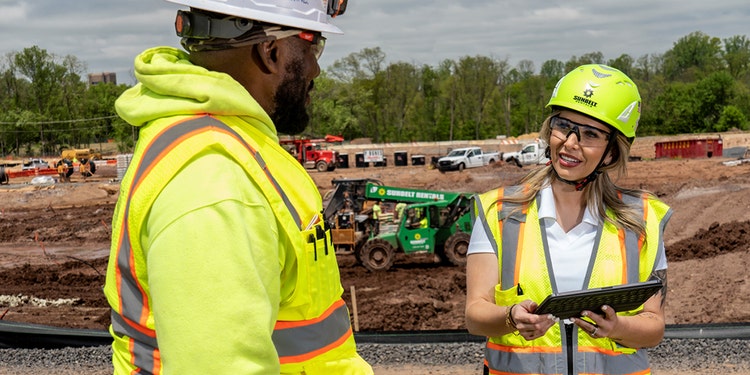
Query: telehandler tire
(456, 247)
(377, 255)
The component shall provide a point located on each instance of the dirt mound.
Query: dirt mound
(712, 241)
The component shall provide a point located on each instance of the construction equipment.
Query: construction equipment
(84, 156)
(345, 213)
(311, 154)
(444, 217)
(80, 154)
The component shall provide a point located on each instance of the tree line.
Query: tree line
(701, 84)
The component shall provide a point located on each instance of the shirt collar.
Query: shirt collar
(547, 210)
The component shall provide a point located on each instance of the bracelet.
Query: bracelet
(509, 321)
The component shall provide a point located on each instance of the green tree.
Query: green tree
(711, 95)
(736, 55)
(552, 70)
(692, 57)
(477, 80)
(625, 63)
(588, 58)
(731, 118)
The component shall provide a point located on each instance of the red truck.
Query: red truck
(310, 154)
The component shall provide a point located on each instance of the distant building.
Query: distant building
(104, 77)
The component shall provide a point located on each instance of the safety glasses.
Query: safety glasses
(587, 135)
(317, 42)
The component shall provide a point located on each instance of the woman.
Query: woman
(566, 227)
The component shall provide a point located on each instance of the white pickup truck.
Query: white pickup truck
(466, 157)
(531, 154)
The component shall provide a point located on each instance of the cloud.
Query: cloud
(107, 34)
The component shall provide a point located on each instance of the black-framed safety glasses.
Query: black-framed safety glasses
(317, 41)
(587, 135)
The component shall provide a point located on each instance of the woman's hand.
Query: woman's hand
(528, 324)
(602, 325)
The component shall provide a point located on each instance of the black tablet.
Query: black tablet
(619, 297)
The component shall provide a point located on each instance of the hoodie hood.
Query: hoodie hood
(169, 85)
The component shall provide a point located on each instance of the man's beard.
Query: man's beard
(290, 115)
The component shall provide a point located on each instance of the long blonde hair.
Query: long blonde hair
(601, 193)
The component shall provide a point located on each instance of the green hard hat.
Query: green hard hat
(601, 92)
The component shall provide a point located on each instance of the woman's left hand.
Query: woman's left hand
(602, 325)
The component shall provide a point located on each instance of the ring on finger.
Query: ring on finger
(593, 333)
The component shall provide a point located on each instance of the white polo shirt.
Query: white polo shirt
(570, 252)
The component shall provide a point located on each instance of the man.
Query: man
(62, 170)
(376, 213)
(220, 263)
(400, 206)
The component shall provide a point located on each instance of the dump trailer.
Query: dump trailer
(436, 222)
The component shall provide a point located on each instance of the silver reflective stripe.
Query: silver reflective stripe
(483, 221)
(632, 252)
(305, 339)
(520, 362)
(597, 363)
(131, 297)
(511, 232)
(143, 347)
(526, 363)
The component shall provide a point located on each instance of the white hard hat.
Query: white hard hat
(308, 14)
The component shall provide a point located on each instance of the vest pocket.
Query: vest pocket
(508, 296)
(318, 269)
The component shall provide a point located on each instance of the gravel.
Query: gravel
(683, 356)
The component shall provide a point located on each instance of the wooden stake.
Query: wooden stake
(354, 309)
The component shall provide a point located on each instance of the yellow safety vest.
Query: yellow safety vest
(313, 331)
(620, 257)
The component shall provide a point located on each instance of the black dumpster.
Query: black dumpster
(343, 160)
(359, 160)
(382, 163)
(399, 158)
(417, 160)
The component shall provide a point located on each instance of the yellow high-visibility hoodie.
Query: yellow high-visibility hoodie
(213, 269)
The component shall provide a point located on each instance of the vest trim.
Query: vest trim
(298, 341)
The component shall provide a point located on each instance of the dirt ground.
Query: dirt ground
(54, 244)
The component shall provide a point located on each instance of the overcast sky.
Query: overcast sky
(108, 34)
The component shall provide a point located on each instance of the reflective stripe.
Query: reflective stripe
(142, 346)
(632, 240)
(511, 230)
(551, 360)
(297, 341)
(132, 319)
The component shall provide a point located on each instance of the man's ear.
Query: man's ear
(268, 56)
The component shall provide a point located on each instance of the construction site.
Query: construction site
(54, 237)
